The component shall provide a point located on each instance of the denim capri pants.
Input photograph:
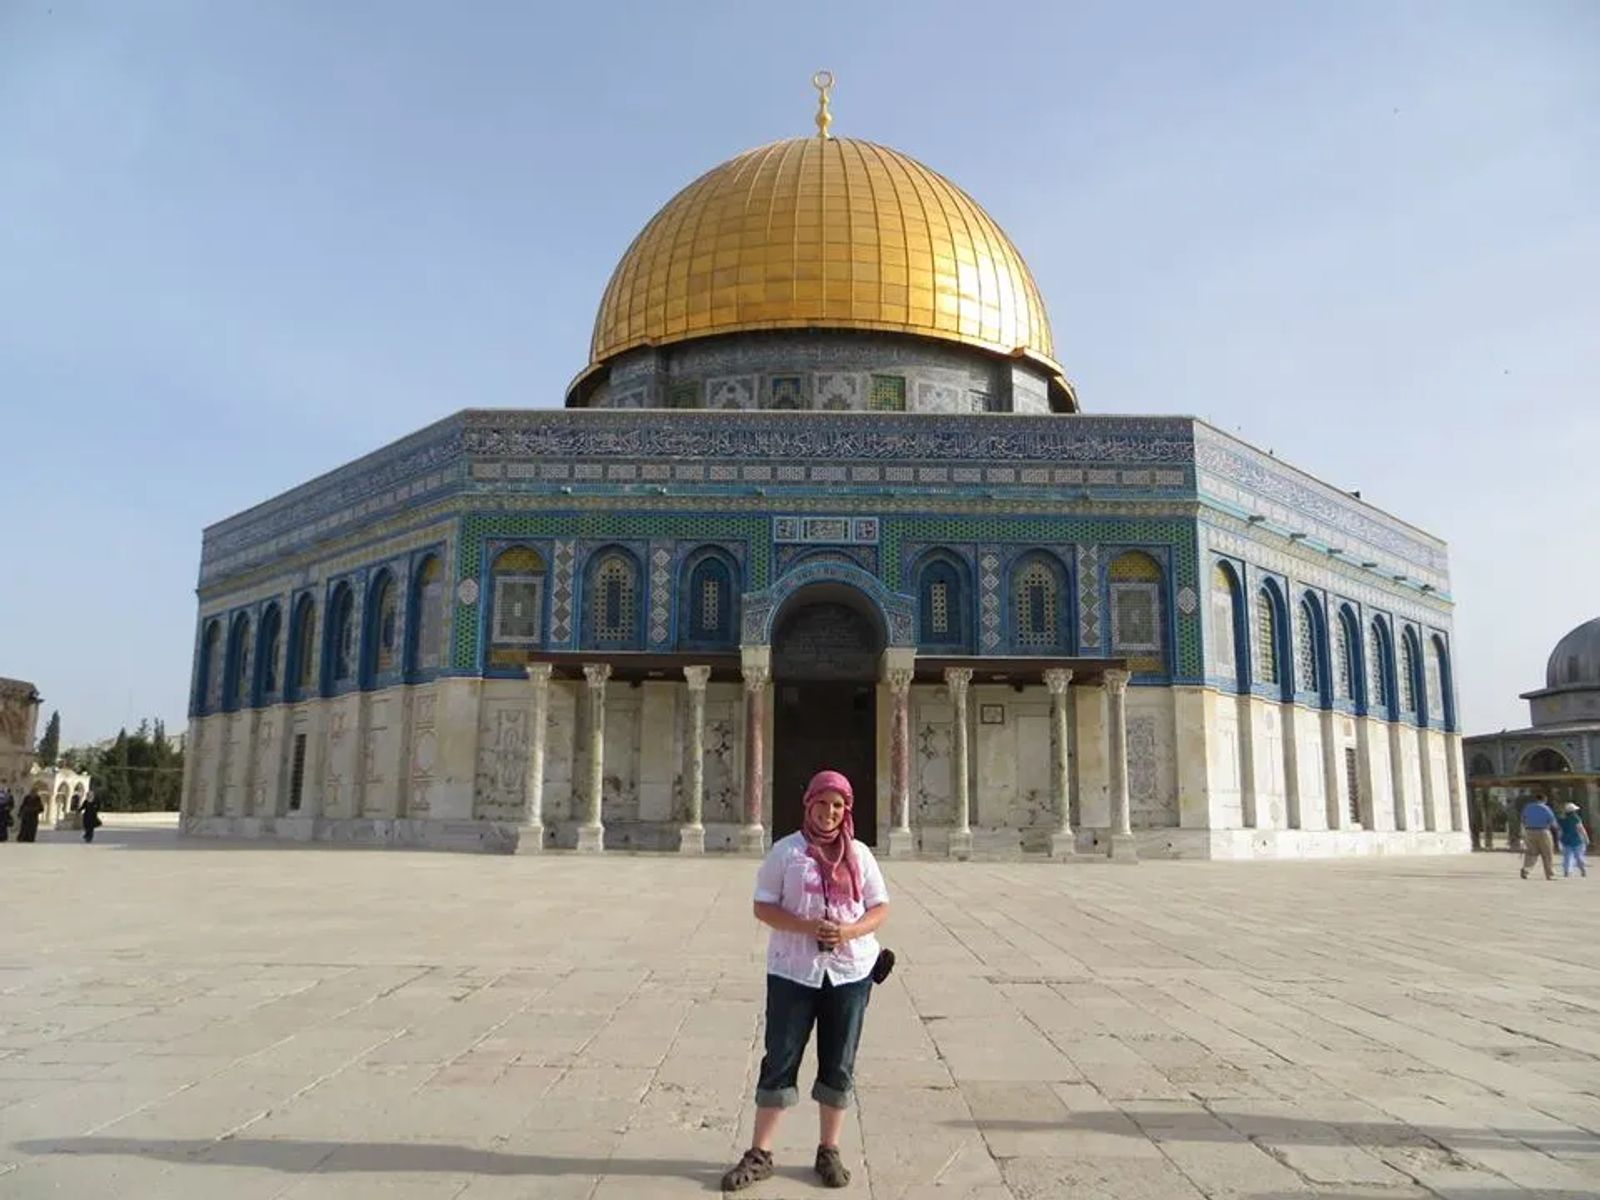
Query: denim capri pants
(837, 1010)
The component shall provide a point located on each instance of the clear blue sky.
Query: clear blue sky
(243, 243)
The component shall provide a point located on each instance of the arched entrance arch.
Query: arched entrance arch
(827, 640)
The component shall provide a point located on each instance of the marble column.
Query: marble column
(530, 837)
(1397, 779)
(902, 842)
(956, 681)
(1063, 842)
(1123, 848)
(692, 834)
(753, 838)
(592, 832)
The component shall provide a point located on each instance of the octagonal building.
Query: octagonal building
(823, 497)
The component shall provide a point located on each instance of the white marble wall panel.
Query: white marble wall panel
(723, 750)
(1271, 793)
(266, 776)
(236, 762)
(1309, 769)
(342, 765)
(383, 754)
(1378, 775)
(660, 749)
(560, 749)
(1439, 776)
(932, 793)
(1411, 777)
(502, 752)
(1152, 759)
(1227, 777)
(1090, 764)
(423, 755)
(619, 796)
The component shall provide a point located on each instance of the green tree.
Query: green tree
(50, 743)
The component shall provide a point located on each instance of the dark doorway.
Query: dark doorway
(825, 726)
(825, 667)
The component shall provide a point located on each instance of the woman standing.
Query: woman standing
(28, 817)
(822, 895)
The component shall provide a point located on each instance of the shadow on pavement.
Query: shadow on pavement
(1294, 1131)
(297, 1156)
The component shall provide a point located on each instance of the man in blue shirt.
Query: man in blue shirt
(1538, 843)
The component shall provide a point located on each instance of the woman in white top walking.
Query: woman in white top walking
(823, 896)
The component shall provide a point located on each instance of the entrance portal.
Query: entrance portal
(825, 668)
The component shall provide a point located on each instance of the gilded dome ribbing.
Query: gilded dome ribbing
(823, 232)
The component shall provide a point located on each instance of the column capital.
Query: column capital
(756, 676)
(1117, 682)
(899, 680)
(697, 678)
(1058, 680)
(597, 674)
(539, 673)
(957, 679)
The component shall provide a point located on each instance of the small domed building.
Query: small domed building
(1558, 755)
(823, 496)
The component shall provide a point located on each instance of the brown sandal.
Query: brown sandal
(755, 1166)
(831, 1167)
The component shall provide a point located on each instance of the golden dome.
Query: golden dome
(823, 232)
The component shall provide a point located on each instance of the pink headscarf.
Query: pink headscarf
(833, 850)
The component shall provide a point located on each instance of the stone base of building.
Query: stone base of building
(986, 845)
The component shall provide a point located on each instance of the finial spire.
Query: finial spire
(823, 82)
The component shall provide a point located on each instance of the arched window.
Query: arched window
(1377, 668)
(341, 648)
(1227, 659)
(237, 689)
(518, 597)
(209, 684)
(1040, 611)
(1441, 704)
(708, 615)
(942, 600)
(271, 647)
(1345, 673)
(1546, 762)
(428, 613)
(1480, 765)
(1266, 637)
(303, 647)
(1308, 674)
(1408, 673)
(1137, 631)
(381, 654)
(613, 607)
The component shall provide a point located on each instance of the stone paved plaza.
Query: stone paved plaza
(244, 1022)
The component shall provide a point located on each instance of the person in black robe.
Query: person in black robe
(6, 808)
(91, 817)
(28, 818)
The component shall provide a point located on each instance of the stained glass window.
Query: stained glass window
(1435, 681)
(1038, 606)
(1378, 686)
(1306, 649)
(614, 601)
(683, 395)
(387, 609)
(1408, 676)
(518, 597)
(271, 646)
(211, 668)
(1224, 657)
(305, 644)
(1266, 637)
(1344, 677)
(786, 391)
(430, 614)
(342, 634)
(1136, 627)
(888, 393)
(939, 607)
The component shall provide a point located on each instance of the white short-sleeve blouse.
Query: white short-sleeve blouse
(789, 877)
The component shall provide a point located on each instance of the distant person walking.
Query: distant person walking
(822, 895)
(1574, 840)
(91, 817)
(28, 817)
(1538, 842)
(7, 807)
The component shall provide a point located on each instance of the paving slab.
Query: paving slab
(291, 1023)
